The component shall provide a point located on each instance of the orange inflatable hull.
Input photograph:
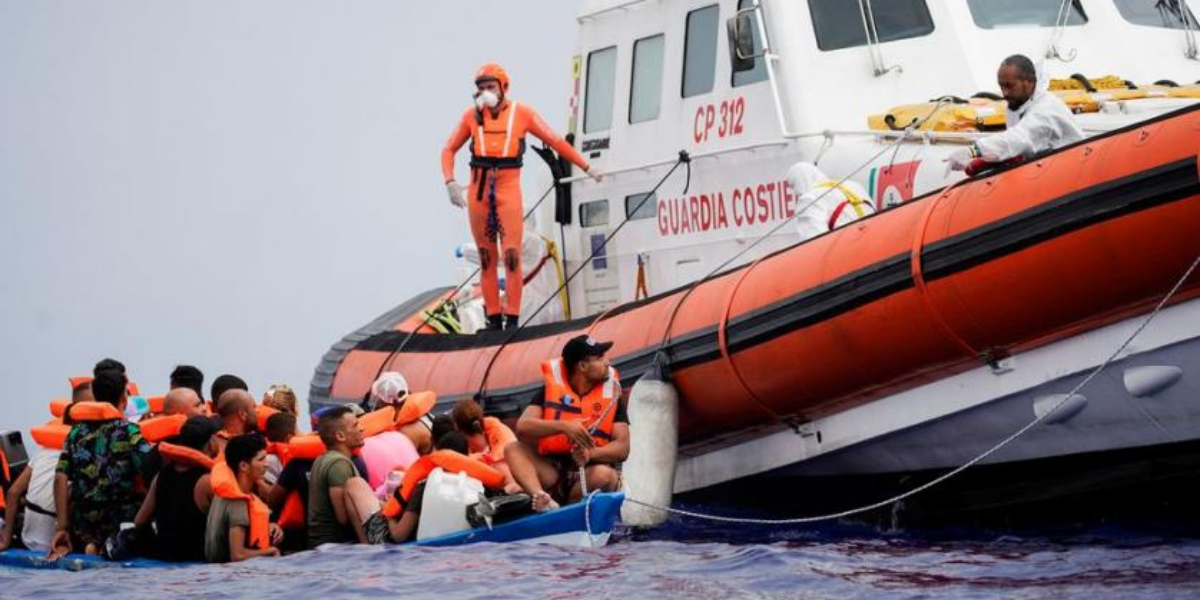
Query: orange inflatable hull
(1086, 236)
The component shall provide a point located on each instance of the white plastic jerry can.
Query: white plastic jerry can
(444, 505)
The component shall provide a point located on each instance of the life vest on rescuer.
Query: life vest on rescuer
(449, 461)
(225, 485)
(498, 141)
(597, 410)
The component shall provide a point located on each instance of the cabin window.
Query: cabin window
(1000, 14)
(593, 214)
(700, 51)
(645, 90)
(1171, 14)
(601, 84)
(636, 209)
(841, 23)
(759, 72)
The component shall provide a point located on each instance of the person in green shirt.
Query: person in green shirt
(341, 505)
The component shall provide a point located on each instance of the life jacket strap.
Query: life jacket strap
(487, 162)
(39, 510)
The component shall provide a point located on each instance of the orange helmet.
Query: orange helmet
(493, 72)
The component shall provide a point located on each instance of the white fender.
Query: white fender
(649, 473)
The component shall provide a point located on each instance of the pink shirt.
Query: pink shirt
(386, 452)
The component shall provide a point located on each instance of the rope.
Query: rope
(1060, 26)
(1006, 441)
(587, 516)
(446, 300)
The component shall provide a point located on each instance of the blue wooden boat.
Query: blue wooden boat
(29, 559)
(587, 524)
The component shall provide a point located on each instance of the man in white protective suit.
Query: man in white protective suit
(1037, 121)
(822, 204)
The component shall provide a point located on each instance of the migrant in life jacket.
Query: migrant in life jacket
(449, 461)
(498, 437)
(225, 485)
(597, 410)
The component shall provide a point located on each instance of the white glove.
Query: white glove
(594, 173)
(456, 194)
(960, 159)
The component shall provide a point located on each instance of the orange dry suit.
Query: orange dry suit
(597, 410)
(494, 200)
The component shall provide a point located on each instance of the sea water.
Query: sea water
(683, 561)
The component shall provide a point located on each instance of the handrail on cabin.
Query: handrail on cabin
(924, 136)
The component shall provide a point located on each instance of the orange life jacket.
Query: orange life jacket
(157, 429)
(498, 436)
(52, 435)
(186, 456)
(225, 485)
(282, 450)
(158, 404)
(451, 462)
(264, 412)
(78, 381)
(378, 421)
(94, 411)
(4, 472)
(293, 515)
(597, 410)
(306, 446)
(58, 406)
(499, 141)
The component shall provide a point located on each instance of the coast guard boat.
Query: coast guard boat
(875, 356)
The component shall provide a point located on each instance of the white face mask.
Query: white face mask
(486, 99)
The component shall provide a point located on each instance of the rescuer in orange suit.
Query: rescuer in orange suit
(496, 126)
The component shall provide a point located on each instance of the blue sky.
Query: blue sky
(234, 185)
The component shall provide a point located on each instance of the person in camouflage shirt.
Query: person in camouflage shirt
(99, 468)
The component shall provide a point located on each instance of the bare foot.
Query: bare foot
(542, 502)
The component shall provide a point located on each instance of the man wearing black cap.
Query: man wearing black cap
(578, 423)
